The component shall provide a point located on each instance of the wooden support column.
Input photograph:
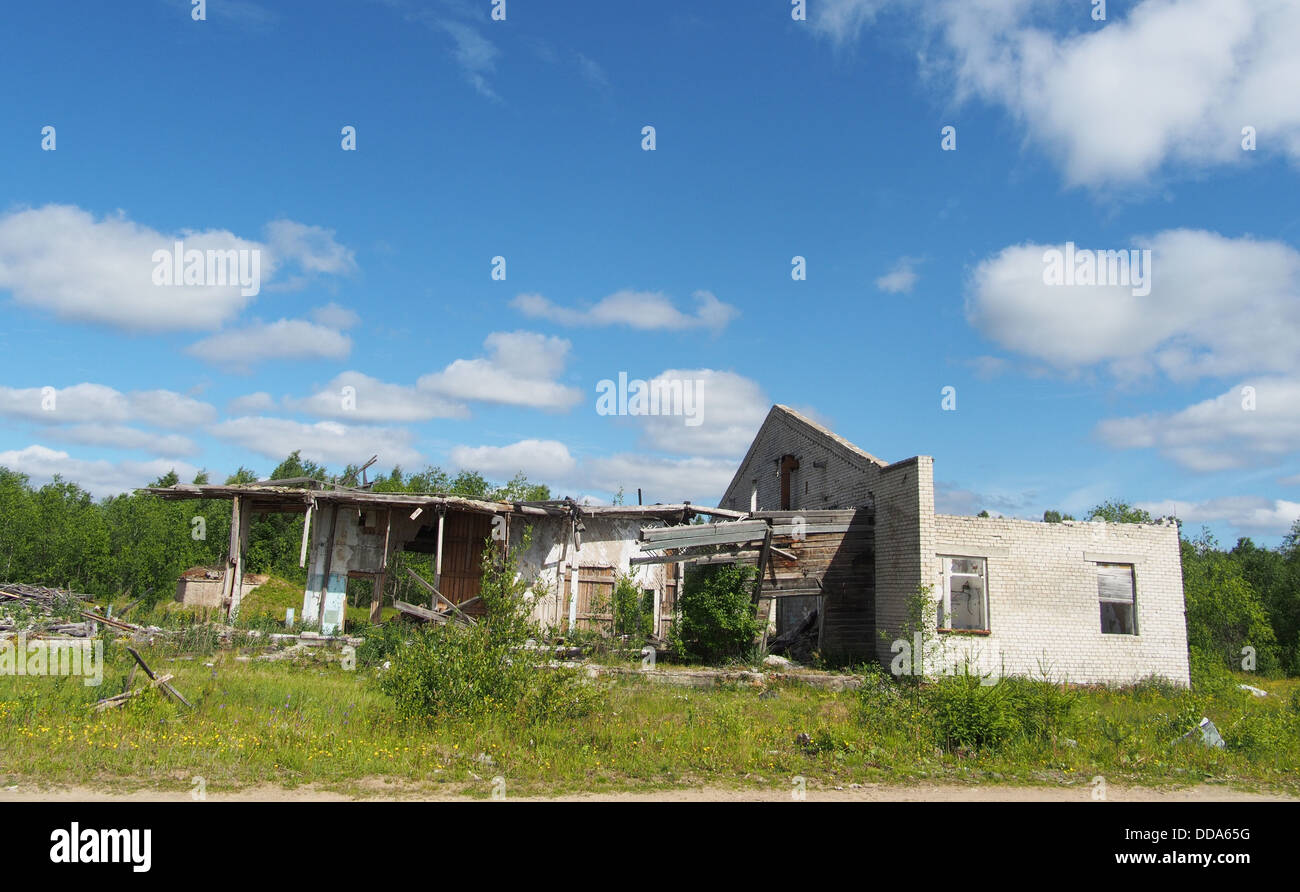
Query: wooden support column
(377, 596)
(759, 613)
(437, 561)
(573, 581)
(232, 586)
(306, 534)
(560, 613)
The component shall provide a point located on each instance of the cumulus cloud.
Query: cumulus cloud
(543, 460)
(729, 408)
(370, 399)
(519, 370)
(667, 480)
(260, 401)
(1175, 81)
(326, 442)
(120, 436)
(99, 477)
(949, 498)
(88, 403)
(1217, 306)
(1239, 428)
(644, 310)
(286, 339)
(312, 248)
(62, 260)
(1249, 514)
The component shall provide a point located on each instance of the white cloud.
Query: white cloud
(730, 409)
(541, 460)
(949, 498)
(291, 339)
(326, 442)
(842, 21)
(666, 480)
(519, 371)
(312, 248)
(1250, 514)
(644, 310)
(260, 401)
(1219, 433)
(99, 477)
(1218, 306)
(120, 436)
(83, 403)
(60, 259)
(374, 400)
(1173, 80)
(334, 316)
(901, 279)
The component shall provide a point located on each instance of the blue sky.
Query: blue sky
(774, 138)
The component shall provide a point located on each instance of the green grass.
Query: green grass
(276, 723)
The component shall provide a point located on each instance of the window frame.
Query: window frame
(944, 620)
(1130, 602)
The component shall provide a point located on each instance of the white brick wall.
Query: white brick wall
(1043, 610)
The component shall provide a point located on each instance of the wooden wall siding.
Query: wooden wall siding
(463, 536)
(667, 607)
(595, 597)
(844, 562)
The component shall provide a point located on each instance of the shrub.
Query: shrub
(466, 672)
(968, 714)
(715, 614)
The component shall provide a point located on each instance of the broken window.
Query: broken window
(965, 594)
(1116, 593)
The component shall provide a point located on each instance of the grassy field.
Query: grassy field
(290, 724)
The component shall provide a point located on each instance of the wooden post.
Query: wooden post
(228, 582)
(377, 596)
(237, 592)
(437, 561)
(306, 530)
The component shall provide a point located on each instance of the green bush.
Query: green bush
(452, 671)
(968, 714)
(715, 614)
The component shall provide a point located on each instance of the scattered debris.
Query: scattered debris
(119, 699)
(799, 643)
(163, 683)
(1258, 692)
(776, 662)
(1209, 734)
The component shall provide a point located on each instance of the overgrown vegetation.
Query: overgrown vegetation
(454, 671)
(715, 619)
(257, 722)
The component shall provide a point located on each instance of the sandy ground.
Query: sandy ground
(866, 793)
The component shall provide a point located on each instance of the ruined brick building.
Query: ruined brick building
(1083, 601)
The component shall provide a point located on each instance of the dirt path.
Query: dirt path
(865, 793)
